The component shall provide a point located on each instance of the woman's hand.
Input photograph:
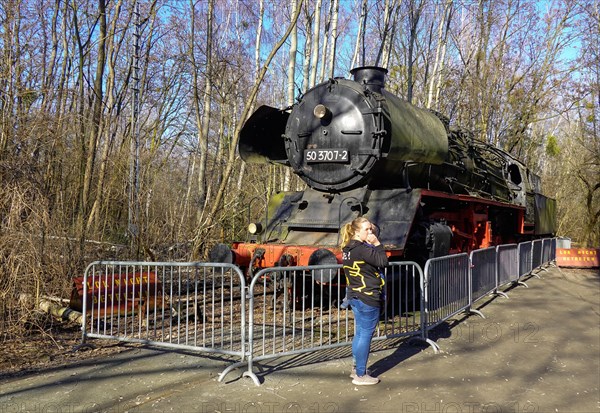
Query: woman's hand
(372, 239)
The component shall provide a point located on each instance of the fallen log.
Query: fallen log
(61, 312)
(56, 307)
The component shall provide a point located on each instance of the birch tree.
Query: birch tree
(335, 7)
(325, 46)
(390, 11)
(203, 113)
(257, 45)
(96, 121)
(436, 78)
(314, 42)
(358, 58)
(414, 13)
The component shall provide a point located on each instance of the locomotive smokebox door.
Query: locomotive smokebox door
(333, 136)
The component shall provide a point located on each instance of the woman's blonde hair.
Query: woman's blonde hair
(349, 229)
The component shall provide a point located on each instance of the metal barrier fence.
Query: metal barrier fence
(548, 245)
(196, 306)
(209, 308)
(446, 288)
(507, 265)
(454, 283)
(295, 310)
(483, 273)
(524, 253)
(536, 254)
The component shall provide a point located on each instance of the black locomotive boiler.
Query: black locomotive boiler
(431, 190)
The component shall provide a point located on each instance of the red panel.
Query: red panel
(297, 255)
(117, 293)
(578, 257)
(469, 220)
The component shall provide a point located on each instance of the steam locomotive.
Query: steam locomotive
(431, 190)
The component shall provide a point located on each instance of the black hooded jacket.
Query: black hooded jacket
(361, 262)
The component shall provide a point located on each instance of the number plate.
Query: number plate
(326, 155)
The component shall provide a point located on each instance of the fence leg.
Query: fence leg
(537, 271)
(251, 374)
(248, 373)
(428, 341)
(522, 283)
(501, 293)
(470, 311)
(229, 369)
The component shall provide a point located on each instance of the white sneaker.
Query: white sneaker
(365, 380)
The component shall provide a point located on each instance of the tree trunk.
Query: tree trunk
(257, 43)
(333, 43)
(308, 47)
(108, 135)
(291, 72)
(356, 57)
(414, 17)
(291, 79)
(60, 312)
(325, 48)
(97, 108)
(387, 31)
(314, 53)
(440, 53)
(203, 120)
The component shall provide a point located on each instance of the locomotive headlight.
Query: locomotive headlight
(255, 228)
(321, 111)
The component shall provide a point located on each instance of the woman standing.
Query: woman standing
(362, 254)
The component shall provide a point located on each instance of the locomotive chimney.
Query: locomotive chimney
(372, 77)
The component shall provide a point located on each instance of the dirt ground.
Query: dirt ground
(48, 346)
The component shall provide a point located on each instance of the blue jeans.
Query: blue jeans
(366, 319)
